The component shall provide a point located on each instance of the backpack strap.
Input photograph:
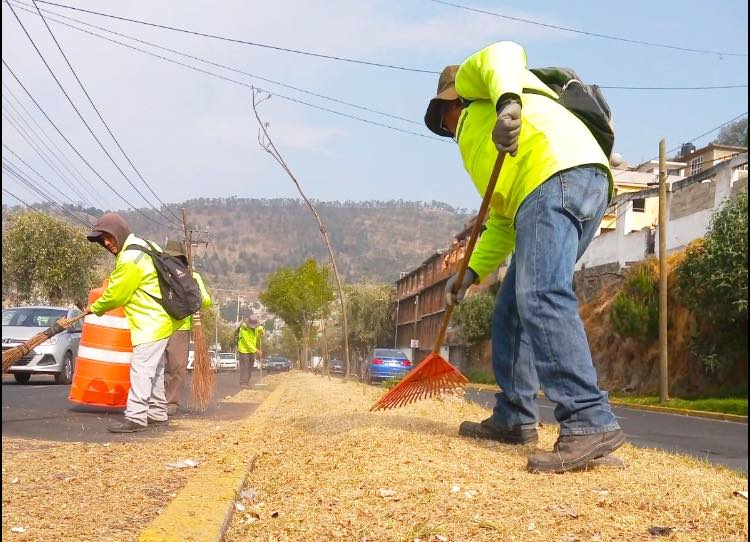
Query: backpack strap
(143, 250)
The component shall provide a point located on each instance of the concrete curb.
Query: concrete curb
(202, 511)
(653, 408)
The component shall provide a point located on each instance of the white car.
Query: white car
(228, 361)
(211, 353)
(55, 356)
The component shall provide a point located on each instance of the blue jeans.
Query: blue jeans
(537, 334)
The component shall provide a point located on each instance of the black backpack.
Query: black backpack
(180, 294)
(585, 101)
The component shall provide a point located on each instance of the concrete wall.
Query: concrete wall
(689, 212)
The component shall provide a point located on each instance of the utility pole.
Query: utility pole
(663, 345)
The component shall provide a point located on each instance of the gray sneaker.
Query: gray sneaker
(126, 426)
(573, 452)
(487, 429)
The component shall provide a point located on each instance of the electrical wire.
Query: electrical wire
(212, 63)
(8, 167)
(62, 158)
(98, 113)
(75, 150)
(244, 42)
(52, 186)
(80, 116)
(585, 32)
(249, 86)
(6, 115)
(12, 195)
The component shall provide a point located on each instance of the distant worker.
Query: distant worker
(134, 285)
(553, 190)
(249, 346)
(179, 342)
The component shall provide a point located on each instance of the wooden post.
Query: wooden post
(663, 346)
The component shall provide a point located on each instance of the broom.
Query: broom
(435, 375)
(13, 355)
(202, 382)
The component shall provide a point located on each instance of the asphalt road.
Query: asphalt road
(41, 410)
(719, 442)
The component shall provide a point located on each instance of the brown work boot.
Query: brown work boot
(488, 429)
(573, 452)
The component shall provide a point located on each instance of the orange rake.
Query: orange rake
(435, 374)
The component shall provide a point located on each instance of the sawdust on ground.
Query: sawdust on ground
(330, 470)
(103, 492)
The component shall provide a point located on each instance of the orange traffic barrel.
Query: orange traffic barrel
(102, 368)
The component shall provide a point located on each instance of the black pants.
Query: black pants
(246, 368)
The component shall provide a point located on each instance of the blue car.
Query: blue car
(385, 363)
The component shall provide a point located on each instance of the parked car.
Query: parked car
(277, 364)
(228, 361)
(385, 363)
(213, 356)
(337, 367)
(56, 356)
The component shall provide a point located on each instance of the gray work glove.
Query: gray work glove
(455, 293)
(508, 127)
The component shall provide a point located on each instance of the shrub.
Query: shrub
(473, 317)
(712, 282)
(635, 310)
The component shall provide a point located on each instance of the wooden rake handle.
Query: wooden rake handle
(470, 246)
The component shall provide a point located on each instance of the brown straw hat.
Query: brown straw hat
(446, 92)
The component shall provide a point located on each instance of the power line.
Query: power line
(41, 109)
(247, 85)
(585, 32)
(12, 195)
(80, 116)
(60, 155)
(8, 167)
(212, 63)
(52, 186)
(98, 113)
(709, 87)
(404, 68)
(24, 135)
(244, 42)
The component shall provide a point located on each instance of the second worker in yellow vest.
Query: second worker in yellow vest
(178, 347)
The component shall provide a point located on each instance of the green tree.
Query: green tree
(225, 329)
(473, 317)
(712, 282)
(44, 258)
(371, 323)
(299, 297)
(734, 134)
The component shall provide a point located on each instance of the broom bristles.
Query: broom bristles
(13, 355)
(433, 376)
(203, 382)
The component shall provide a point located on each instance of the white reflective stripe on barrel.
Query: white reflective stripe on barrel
(99, 354)
(116, 322)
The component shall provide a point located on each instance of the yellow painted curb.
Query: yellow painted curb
(202, 510)
(653, 408)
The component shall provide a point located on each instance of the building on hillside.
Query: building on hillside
(420, 301)
(698, 160)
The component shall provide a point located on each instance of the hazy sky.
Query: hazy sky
(192, 135)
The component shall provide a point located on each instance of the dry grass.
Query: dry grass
(324, 458)
(98, 492)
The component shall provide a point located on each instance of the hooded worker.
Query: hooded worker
(179, 342)
(552, 192)
(249, 346)
(134, 285)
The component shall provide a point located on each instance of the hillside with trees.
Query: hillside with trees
(251, 238)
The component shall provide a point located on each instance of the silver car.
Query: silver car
(56, 356)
